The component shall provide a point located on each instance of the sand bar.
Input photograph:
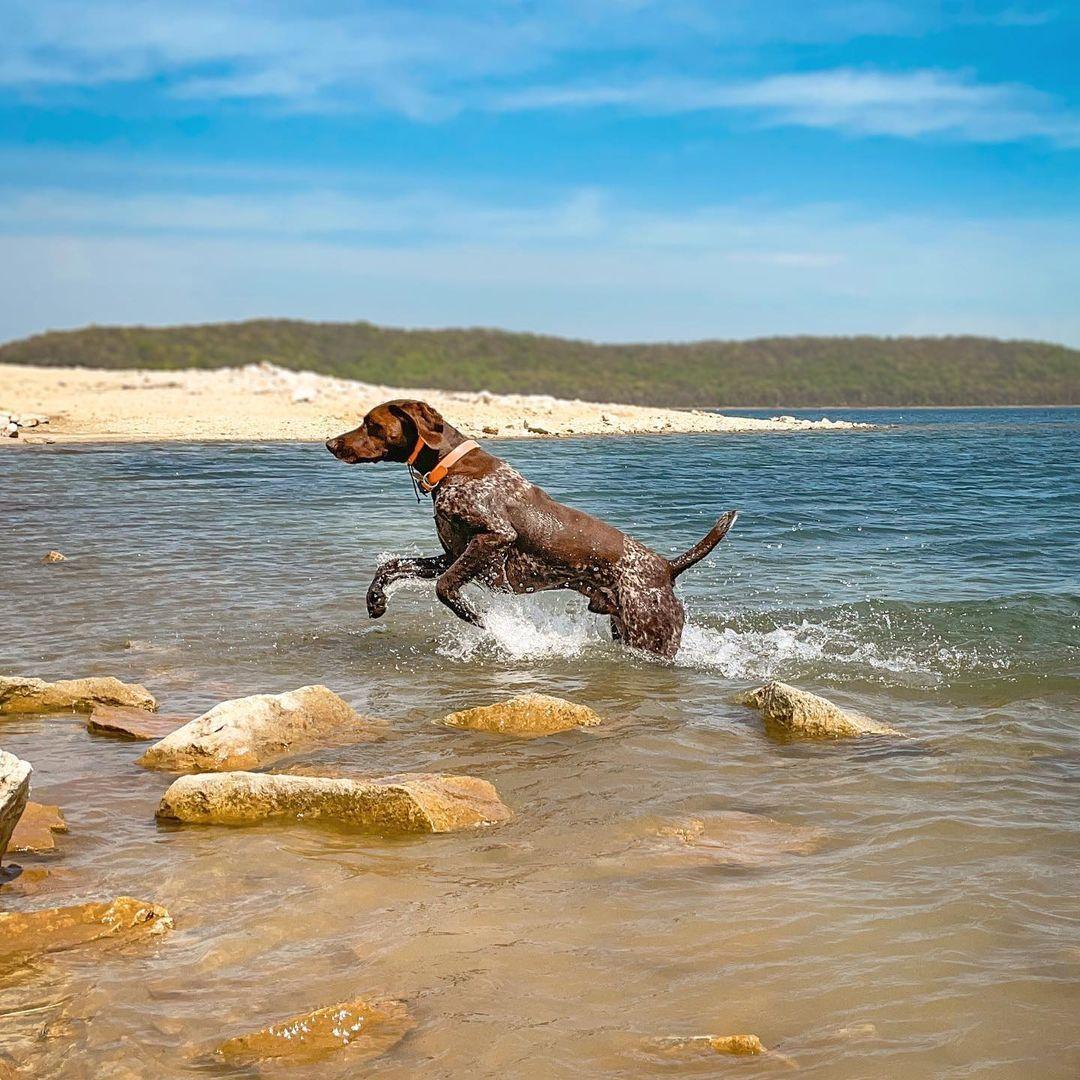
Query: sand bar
(264, 402)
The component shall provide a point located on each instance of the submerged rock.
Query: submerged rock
(527, 716)
(53, 556)
(14, 789)
(127, 723)
(34, 832)
(406, 802)
(714, 1044)
(790, 711)
(31, 933)
(20, 695)
(362, 1028)
(247, 732)
(732, 838)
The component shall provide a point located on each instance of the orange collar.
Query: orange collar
(431, 480)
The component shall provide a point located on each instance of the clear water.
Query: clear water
(927, 574)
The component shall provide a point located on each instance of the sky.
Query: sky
(608, 169)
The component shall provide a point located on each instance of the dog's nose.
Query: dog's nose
(331, 445)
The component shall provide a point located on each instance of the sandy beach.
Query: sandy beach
(264, 402)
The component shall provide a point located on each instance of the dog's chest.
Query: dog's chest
(465, 506)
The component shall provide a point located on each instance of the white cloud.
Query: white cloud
(868, 102)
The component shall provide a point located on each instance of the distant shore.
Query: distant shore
(265, 402)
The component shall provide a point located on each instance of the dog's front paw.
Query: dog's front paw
(376, 603)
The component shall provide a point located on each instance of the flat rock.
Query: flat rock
(14, 789)
(126, 723)
(787, 710)
(527, 716)
(361, 1029)
(247, 732)
(406, 802)
(34, 834)
(31, 933)
(20, 695)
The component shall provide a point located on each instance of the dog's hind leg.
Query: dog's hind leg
(397, 569)
(650, 619)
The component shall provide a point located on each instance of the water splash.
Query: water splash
(526, 628)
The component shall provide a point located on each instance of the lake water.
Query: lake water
(925, 573)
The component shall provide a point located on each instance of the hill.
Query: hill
(769, 372)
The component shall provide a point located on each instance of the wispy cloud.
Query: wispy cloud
(434, 61)
(866, 102)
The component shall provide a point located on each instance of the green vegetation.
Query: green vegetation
(769, 372)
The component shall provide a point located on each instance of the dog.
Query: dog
(499, 530)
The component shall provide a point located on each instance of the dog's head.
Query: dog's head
(389, 433)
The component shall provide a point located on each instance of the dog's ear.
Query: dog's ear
(428, 423)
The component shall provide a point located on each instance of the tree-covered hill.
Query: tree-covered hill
(770, 372)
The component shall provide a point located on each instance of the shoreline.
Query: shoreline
(265, 403)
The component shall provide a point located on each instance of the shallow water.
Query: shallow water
(926, 574)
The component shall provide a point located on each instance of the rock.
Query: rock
(789, 711)
(53, 556)
(34, 832)
(30, 933)
(731, 838)
(736, 1044)
(406, 802)
(362, 1028)
(127, 723)
(527, 716)
(14, 789)
(716, 1044)
(490, 429)
(247, 732)
(20, 695)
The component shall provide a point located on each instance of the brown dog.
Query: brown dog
(498, 529)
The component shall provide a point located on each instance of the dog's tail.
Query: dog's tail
(704, 545)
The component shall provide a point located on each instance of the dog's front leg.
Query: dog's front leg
(481, 551)
(395, 570)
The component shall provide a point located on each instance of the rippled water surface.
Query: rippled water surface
(926, 573)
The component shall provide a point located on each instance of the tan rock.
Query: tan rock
(21, 695)
(361, 1029)
(406, 802)
(247, 732)
(31, 933)
(787, 710)
(127, 723)
(53, 556)
(527, 716)
(736, 1044)
(14, 789)
(710, 1044)
(34, 832)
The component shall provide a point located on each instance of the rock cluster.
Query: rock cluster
(407, 802)
(789, 711)
(527, 716)
(24, 695)
(245, 733)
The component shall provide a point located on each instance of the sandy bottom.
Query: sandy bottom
(266, 402)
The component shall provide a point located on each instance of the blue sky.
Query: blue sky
(609, 169)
